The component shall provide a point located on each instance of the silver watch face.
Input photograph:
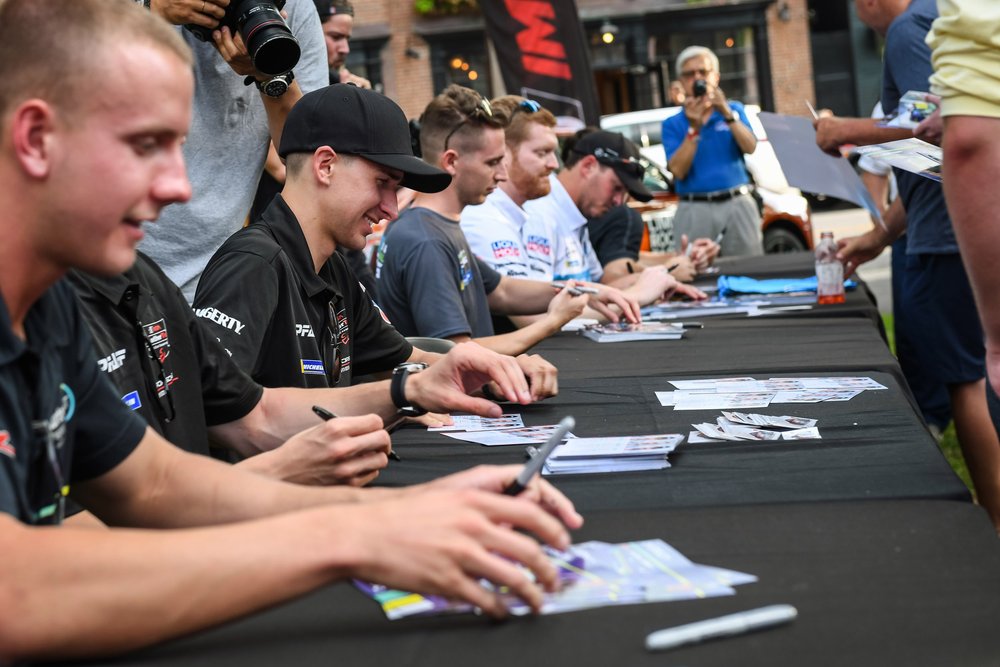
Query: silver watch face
(276, 87)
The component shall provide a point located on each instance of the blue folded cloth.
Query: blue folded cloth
(729, 285)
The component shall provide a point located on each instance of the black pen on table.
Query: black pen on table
(326, 416)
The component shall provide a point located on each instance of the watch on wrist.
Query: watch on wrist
(397, 389)
(276, 86)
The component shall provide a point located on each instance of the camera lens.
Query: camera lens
(271, 45)
(700, 87)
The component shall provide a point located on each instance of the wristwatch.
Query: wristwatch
(276, 86)
(397, 389)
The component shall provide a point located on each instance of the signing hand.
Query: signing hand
(497, 478)
(441, 542)
(348, 450)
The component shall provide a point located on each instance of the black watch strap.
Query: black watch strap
(397, 390)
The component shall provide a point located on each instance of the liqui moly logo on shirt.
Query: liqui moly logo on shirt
(503, 249)
(538, 244)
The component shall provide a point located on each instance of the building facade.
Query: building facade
(765, 48)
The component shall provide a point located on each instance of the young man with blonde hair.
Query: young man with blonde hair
(90, 149)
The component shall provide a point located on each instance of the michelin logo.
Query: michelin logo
(221, 319)
(113, 361)
(312, 367)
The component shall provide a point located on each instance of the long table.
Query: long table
(873, 446)
(875, 583)
(867, 532)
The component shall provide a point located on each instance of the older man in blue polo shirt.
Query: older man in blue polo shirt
(705, 147)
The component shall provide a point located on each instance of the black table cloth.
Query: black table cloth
(876, 583)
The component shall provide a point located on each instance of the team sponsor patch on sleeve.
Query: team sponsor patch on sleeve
(506, 248)
(132, 400)
(312, 367)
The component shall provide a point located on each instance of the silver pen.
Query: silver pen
(723, 626)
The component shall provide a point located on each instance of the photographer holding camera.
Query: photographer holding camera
(704, 148)
(242, 96)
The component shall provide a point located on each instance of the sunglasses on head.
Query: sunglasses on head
(612, 158)
(481, 111)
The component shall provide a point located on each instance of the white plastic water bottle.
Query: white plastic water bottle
(829, 272)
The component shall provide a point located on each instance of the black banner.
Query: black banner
(543, 55)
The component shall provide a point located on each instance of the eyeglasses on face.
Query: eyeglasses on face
(481, 111)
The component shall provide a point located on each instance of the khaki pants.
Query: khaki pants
(738, 218)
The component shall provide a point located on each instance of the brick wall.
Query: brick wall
(791, 58)
(407, 79)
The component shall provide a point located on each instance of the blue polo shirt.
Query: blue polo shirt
(718, 162)
(908, 67)
(59, 415)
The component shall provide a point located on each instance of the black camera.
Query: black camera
(700, 88)
(271, 45)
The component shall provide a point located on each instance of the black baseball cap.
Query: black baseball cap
(357, 121)
(612, 149)
(328, 8)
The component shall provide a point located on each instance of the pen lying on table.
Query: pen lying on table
(578, 290)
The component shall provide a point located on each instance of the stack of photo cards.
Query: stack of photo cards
(748, 426)
(506, 430)
(615, 454)
(746, 392)
(619, 332)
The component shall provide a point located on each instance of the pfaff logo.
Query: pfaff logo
(505, 249)
(312, 367)
(539, 244)
(6, 446)
(539, 54)
(112, 362)
(304, 331)
(221, 319)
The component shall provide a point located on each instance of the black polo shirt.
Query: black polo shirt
(167, 366)
(53, 397)
(617, 234)
(284, 323)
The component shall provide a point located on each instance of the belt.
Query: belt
(720, 195)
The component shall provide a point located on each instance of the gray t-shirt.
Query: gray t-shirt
(225, 152)
(429, 282)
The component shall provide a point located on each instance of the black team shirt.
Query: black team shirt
(167, 365)
(54, 400)
(285, 324)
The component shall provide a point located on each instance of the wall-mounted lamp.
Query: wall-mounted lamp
(609, 31)
(784, 12)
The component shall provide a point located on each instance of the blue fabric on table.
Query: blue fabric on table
(746, 285)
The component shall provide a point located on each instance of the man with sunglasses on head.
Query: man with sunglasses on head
(429, 281)
(280, 298)
(704, 146)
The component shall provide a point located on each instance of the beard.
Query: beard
(531, 186)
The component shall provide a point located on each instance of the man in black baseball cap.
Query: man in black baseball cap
(354, 121)
(277, 295)
(612, 149)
